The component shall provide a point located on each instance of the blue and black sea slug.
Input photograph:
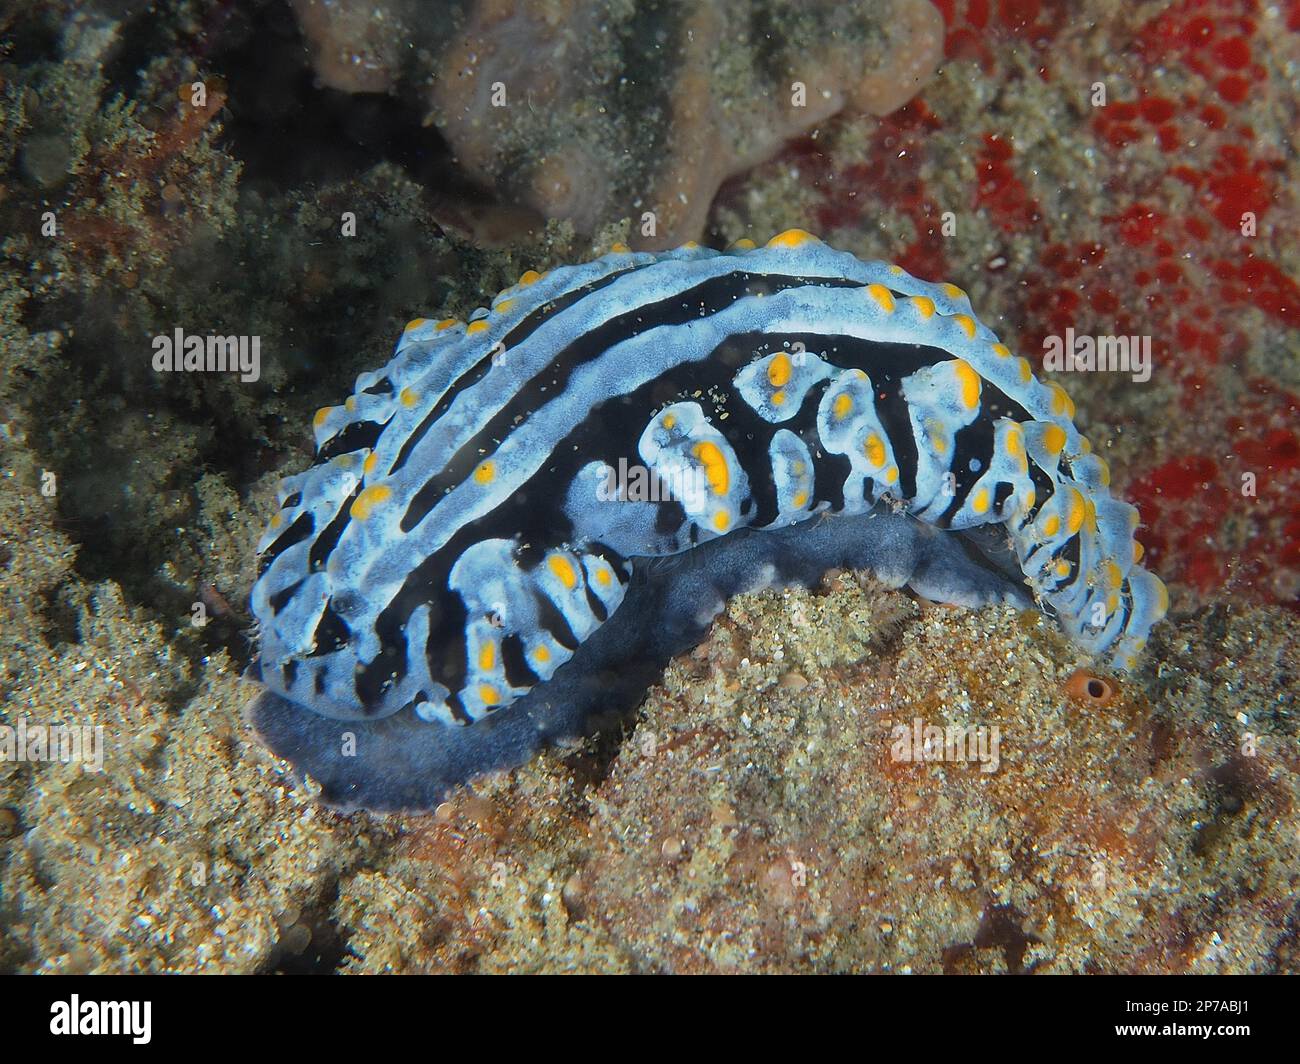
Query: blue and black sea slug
(453, 583)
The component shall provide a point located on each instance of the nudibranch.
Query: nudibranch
(511, 526)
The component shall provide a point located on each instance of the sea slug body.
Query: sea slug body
(454, 582)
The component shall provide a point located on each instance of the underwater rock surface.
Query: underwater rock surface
(591, 112)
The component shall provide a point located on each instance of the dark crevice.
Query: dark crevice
(289, 131)
(311, 944)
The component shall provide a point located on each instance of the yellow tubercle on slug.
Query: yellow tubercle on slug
(778, 370)
(883, 296)
(792, 238)
(563, 569)
(1090, 516)
(969, 382)
(1162, 593)
(715, 466)
(1062, 404)
(1075, 510)
(1054, 439)
(364, 504)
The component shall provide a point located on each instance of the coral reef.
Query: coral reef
(753, 816)
(595, 112)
